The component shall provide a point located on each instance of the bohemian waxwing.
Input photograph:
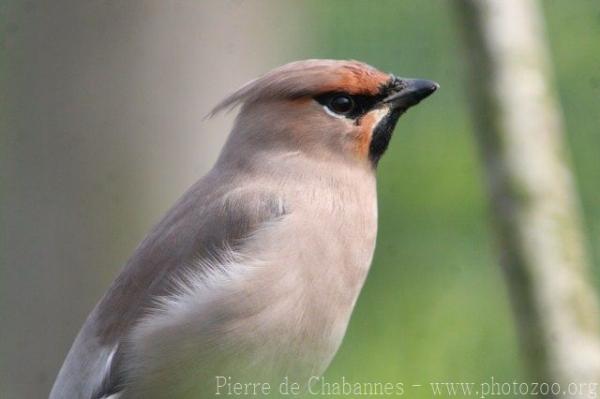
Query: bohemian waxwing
(252, 276)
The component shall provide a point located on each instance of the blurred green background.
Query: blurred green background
(81, 147)
(435, 306)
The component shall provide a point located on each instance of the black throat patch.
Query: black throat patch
(382, 135)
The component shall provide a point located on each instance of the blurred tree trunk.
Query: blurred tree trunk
(531, 188)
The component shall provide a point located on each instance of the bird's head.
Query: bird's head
(322, 108)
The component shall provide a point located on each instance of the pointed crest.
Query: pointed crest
(308, 78)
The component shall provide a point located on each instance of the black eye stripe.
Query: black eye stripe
(362, 103)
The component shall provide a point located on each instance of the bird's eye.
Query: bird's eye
(341, 104)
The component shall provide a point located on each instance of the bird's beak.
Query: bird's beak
(409, 92)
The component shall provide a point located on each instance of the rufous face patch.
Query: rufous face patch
(367, 125)
(355, 78)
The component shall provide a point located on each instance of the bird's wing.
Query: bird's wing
(211, 217)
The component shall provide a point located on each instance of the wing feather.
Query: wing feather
(214, 215)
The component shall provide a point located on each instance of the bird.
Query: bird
(252, 275)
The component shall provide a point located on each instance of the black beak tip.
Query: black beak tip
(424, 88)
